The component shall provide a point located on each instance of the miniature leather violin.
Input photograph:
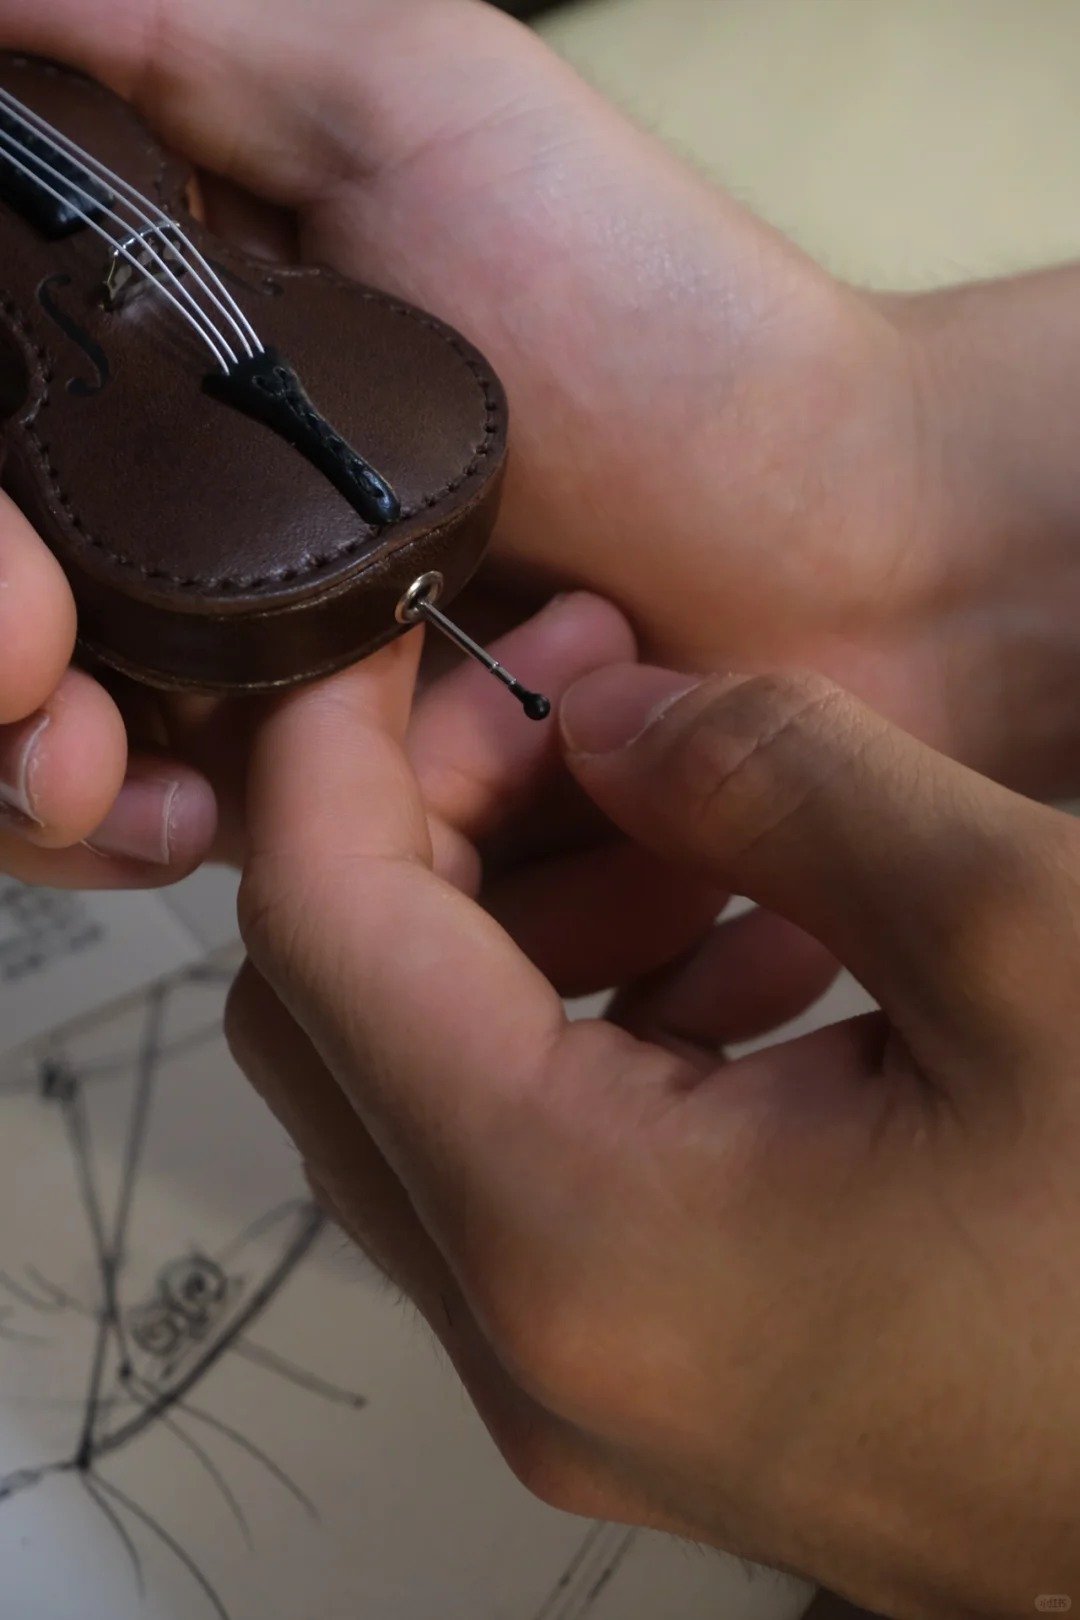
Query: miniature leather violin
(252, 475)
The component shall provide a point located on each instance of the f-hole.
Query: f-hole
(82, 339)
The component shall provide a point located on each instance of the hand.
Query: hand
(67, 773)
(819, 1305)
(759, 464)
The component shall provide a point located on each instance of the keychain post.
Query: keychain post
(418, 606)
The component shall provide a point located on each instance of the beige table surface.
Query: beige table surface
(902, 141)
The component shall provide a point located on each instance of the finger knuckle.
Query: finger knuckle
(756, 754)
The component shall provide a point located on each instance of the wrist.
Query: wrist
(996, 379)
(999, 366)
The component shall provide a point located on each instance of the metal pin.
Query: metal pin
(418, 604)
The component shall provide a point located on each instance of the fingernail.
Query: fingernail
(18, 761)
(139, 825)
(613, 707)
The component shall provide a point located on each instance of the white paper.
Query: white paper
(62, 955)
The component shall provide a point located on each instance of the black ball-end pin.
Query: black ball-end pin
(418, 604)
(535, 704)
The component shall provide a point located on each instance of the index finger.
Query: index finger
(436, 1026)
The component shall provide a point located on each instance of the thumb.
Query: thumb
(931, 884)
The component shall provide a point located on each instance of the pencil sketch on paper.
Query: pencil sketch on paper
(149, 1313)
(148, 1355)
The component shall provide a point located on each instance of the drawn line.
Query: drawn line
(147, 1063)
(173, 1545)
(260, 1225)
(24, 1479)
(75, 1120)
(207, 973)
(114, 1519)
(257, 1452)
(59, 1298)
(260, 1299)
(595, 1570)
(15, 1335)
(617, 1561)
(43, 1403)
(208, 1463)
(562, 1584)
(261, 1357)
(572, 1605)
(117, 1068)
(24, 1296)
(112, 1257)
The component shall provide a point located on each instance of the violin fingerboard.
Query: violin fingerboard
(57, 197)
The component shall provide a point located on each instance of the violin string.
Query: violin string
(145, 210)
(200, 322)
(142, 207)
(223, 359)
(17, 154)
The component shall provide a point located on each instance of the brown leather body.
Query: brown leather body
(203, 549)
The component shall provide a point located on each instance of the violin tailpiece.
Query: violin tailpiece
(266, 388)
